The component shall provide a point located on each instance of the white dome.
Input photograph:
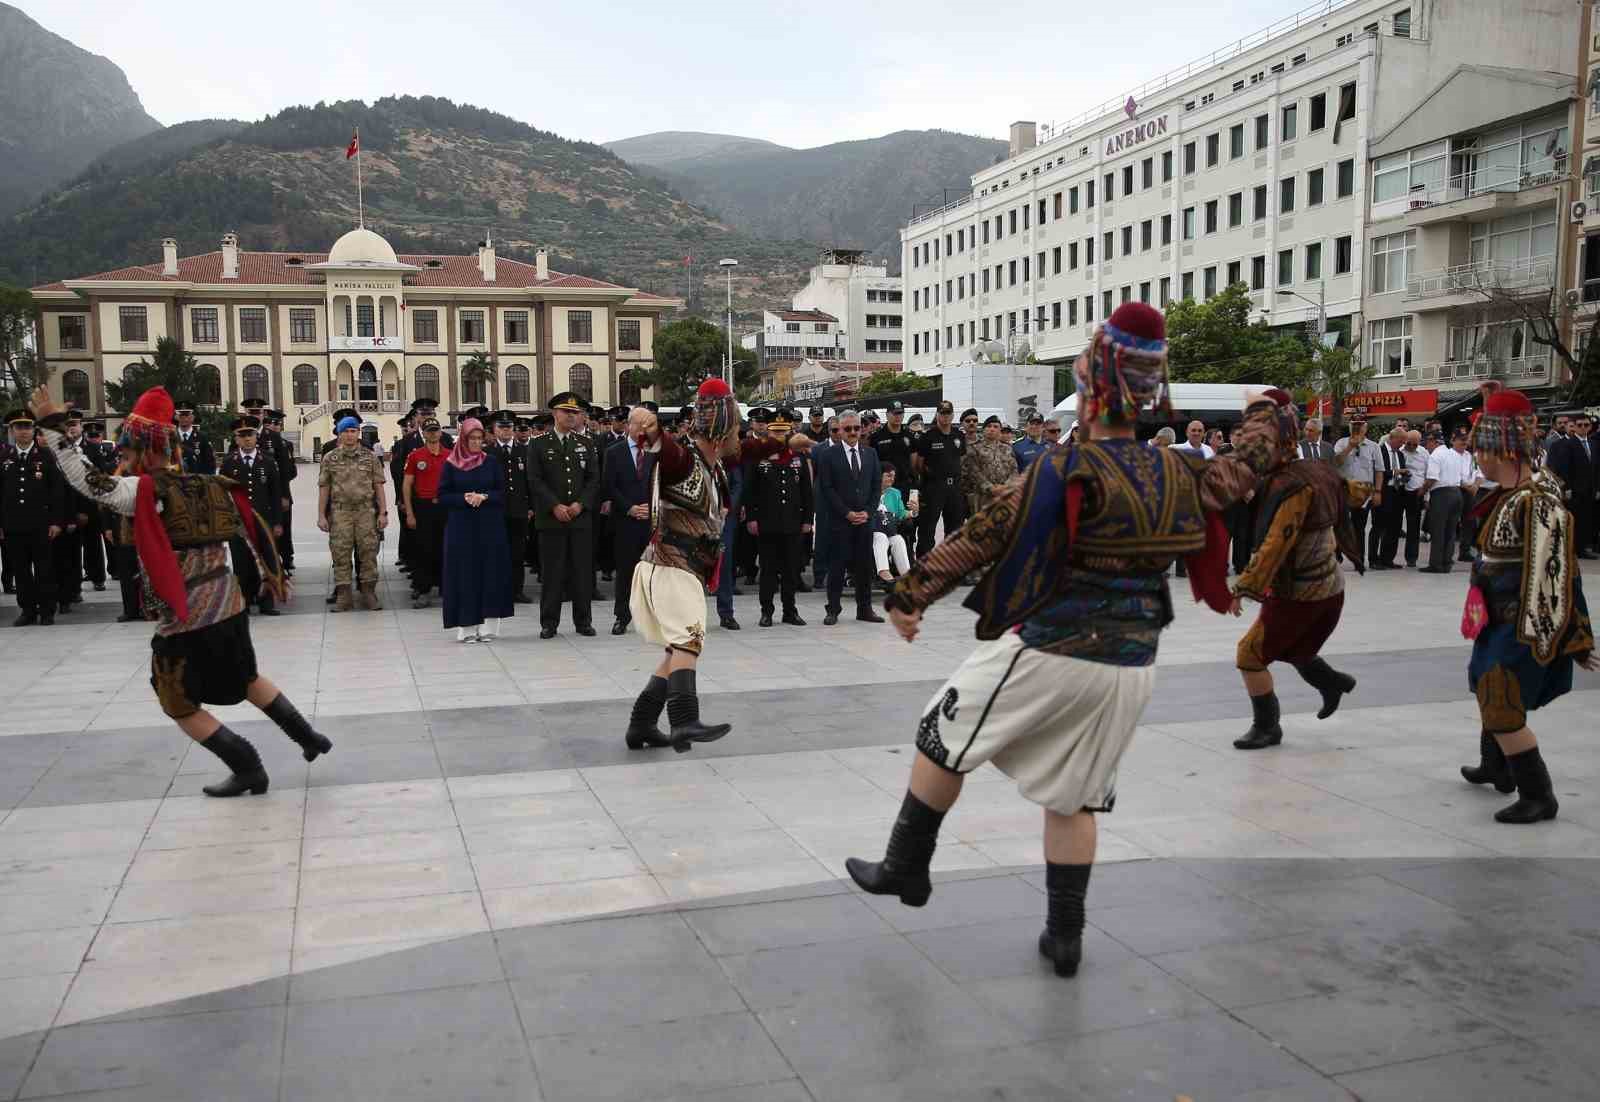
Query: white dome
(361, 246)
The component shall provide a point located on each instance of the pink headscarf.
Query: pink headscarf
(460, 458)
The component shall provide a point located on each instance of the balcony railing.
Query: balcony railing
(1493, 178)
(1536, 273)
(1524, 370)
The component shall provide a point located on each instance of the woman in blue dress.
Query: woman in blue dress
(476, 579)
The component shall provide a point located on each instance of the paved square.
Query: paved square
(482, 894)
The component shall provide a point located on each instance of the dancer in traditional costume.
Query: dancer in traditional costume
(1301, 522)
(1071, 608)
(690, 496)
(181, 525)
(1525, 611)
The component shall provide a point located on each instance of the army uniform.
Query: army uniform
(563, 469)
(258, 474)
(33, 499)
(513, 458)
(353, 478)
(778, 503)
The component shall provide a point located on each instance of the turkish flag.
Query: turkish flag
(355, 145)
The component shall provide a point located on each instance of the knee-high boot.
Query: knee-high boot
(647, 708)
(1536, 800)
(1326, 680)
(1264, 730)
(1491, 767)
(1062, 940)
(683, 712)
(283, 712)
(904, 868)
(240, 756)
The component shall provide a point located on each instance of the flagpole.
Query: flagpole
(361, 210)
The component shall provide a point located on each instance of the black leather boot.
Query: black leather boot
(683, 712)
(1326, 680)
(1491, 767)
(282, 712)
(241, 757)
(1536, 801)
(1062, 940)
(647, 706)
(1264, 730)
(904, 868)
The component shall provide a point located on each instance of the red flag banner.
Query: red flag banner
(687, 259)
(355, 145)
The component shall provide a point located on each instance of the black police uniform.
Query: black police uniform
(941, 454)
(259, 475)
(778, 500)
(513, 459)
(894, 449)
(80, 536)
(564, 469)
(33, 496)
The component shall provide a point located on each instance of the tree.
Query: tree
(1335, 374)
(479, 369)
(19, 369)
(884, 382)
(1216, 342)
(687, 352)
(189, 384)
(1517, 294)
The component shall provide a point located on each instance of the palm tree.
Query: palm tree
(476, 375)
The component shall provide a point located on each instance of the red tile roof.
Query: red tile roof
(804, 315)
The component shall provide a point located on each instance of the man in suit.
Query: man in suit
(1314, 446)
(513, 458)
(848, 482)
(564, 474)
(251, 467)
(1572, 459)
(626, 490)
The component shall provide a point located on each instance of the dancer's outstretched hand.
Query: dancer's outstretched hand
(1591, 663)
(1237, 607)
(906, 623)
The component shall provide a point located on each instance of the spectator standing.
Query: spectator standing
(848, 480)
(420, 487)
(475, 583)
(1360, 461)
(627, 490)
(1571, 458)
(937, 459)
(564, 475)
(1195, 441)
(251, 467)
(778, 509)
(1033, 444)
(1449, 476)
(351, 509)
(1389, 512)
(33, 507)
(512, 459)
(1314, 446)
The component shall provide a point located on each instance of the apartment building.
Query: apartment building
(864, 300)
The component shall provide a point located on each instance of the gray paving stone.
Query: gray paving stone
(1168, 926)
(691, 1056)
(745, 929)
(231, 1054)
(1011, 1074)
(1129, 882)
(16, 1057)
(381, 762)
(1234, 875)
(501, 754)
(459, 1042)
(273, 992)
(96, 789)
(1010, 947)
(465, 960)
(1365, 901)
(787, 1090)
(1476, 885)
(635, 994)
(1515, 1069)
(1317, 962)
(1103, 995)
(962, 903)
(579, 947)
(884, 967)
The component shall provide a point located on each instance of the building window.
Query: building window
(1147, 171)
(1166, 291)
(1187, 284)
(1341, 255)
(472, 330)
(255, 383)
(519, 389)
(73, 332)
(1213, 150)
(1413, 172)
(1088, 194)
(1055, 261)
(1107, 302)
(1259, 209)
(1188, 223)
(1127, 240)
(1391, 345)
(1144, 291)
(1057, 206)
(1111, 179)
(628, 335)
(1515, 237)
(580, 327)
(1072, 208)
(1236, 141)
(1211, 216)
(1319, 111)
(1011, 271)
(1072, 311)
(1235, 273)
(1210, 282)
(304, 380)
(1402, 23)
(1392, 259)
(1285, 267)
(1314, 187)
(302, 325)
(134, 324)
(1012, 213)
(253, 325)
(1346, 183)
(426, 382)
(1288, 127)
(1166, 229)
(1263, 131)
(1188, 159)
(75, 388)
(1258, 272)
(213, 377)
(1166, 167)
(1236, 209)
(474, 392)
(365, 323)
(425, 327)
(580, 379)
(1088, 250)
(203, 325)
(1146, 235)
(1314, 260)
(1127, 180)
(516, 322)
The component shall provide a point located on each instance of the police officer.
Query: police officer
(198, 455)
(747, 548)
(68, 548)
(778, 506)
(513, 459)
(283, 454)
(937, 459)
(565, 481)
(894, 444)
(410, 437)
(33, 508)
(352, 510)
(252, 467)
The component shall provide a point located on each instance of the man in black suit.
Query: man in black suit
(513, 458)
(1314, 446)
(626, 490)
(1571, 458)
(848, 484)
(252, 467)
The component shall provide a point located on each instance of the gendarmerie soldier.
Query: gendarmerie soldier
(513, 459)
(283, 455)
(565, 480)
(778, 507)
(252, 467)
(198, 456)
(33, 507)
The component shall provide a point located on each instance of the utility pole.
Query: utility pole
(728, 264)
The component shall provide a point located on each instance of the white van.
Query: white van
(1208, 402)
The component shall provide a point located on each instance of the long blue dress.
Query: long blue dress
(476, 579)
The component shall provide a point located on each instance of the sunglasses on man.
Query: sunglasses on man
(851, 430)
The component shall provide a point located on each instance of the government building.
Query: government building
(355, 326)
(1395, 177)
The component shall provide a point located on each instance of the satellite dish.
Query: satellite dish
(1020, 351)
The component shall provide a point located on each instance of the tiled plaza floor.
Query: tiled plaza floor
(481, 894)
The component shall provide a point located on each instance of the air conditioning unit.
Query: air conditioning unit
(1574, 298)
(1580, 210)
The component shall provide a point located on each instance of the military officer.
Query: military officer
(68, 548)
(513, 459)
(103, 457)
(283, 454)
(778, 507)
(198, 455)
(410, 436)
(565, 482)
(250, 466)
(352, 510)
(539, 425)
(524, 431)
(339, 415)
(33, 507)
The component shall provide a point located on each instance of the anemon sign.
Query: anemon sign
(1135, 136)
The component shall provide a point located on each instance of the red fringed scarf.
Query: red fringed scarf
(156, 555)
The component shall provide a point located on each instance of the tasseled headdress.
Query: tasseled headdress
(149, 425)
(1124, 369)
(716, 413)
(1507, 426)
(1269, 435)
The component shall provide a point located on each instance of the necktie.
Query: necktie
(638, 462)
(855, 463)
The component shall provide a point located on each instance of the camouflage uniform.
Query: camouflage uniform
(353, 476)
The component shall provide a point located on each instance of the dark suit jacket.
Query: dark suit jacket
(846, 493)
(1566, 459)
(1323, 451)
(623, 488)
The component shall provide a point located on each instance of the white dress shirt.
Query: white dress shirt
(1449, 468)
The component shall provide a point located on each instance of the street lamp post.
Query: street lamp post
(728, 264)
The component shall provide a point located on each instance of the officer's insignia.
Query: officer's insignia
(423, 465)
(37, 473)
(928, 740)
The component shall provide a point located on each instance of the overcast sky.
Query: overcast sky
(798, 74)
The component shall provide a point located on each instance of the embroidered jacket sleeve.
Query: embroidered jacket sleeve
(979, 542)
(673, 459)
(115, 493)
(1275, 549)
(1224, 481)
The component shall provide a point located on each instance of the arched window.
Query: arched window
(475, 392)
(305, 385)
(255, 382)
(213, 377)
(367, 382)
(75, 388)
(581, 380)
(628, 383)
(519, 391)
(427, 381)
(127, 373)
